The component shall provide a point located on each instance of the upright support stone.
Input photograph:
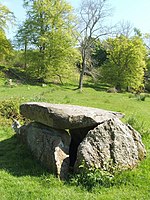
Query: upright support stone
(49, 146)
(111, 142)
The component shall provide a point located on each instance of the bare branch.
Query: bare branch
(124, 28)
(92, 17)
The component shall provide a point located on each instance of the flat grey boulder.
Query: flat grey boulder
(110, 144)
(63, 116)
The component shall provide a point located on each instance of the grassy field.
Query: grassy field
(23, 178)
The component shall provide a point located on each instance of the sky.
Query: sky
(137, 12)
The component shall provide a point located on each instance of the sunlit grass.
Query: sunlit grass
(21, 177)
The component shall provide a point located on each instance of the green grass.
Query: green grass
(121, 102)
(23, 178)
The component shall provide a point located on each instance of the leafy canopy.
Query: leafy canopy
(126, 62)
(48, 32)
(6, 16)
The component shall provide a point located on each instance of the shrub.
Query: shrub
(92, 177)
(9, 109)
(136, 124)
(141, 97)
(147, 86)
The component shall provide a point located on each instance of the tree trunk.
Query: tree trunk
(60, 78)
(82, 72)
(25, 54)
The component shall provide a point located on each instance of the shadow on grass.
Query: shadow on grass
(17, 160)
(97, 86)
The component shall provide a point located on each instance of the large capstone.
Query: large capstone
(62, 116)
(111, 143)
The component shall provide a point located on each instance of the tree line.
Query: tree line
(54, 41)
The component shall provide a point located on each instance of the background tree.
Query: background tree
(5, 48)
(6, 16)
(99, 54)
(126, 62)
(22, 40)
(96, 55)
(146, 39)
(92, 17)
(124, 28)
(48, 34)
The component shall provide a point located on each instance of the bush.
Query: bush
(9, 109)
(147, 86)
(90, 178)
(136, 124)
(141, 97)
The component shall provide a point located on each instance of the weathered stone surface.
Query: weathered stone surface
(111, 142)
(97, 137)
(62, 116)
(49, 146)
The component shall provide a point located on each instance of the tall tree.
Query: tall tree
(99, 54)
(92, 18)
(5, 48)
(146, 39)
(48, 30)
(23, 39)
(126, 62)
(6, 16)
(124, 28)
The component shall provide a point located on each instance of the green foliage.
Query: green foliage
(5, 48)
(35, 62)
(18, 60)
(61, 53)
(92, 177)
(147, 86)
(6, 16)
(126, 62)
(141, 97)
(10, 109)
(48, 32)
(136, 124)
(138, 96)
(99, 54)
(147, 75)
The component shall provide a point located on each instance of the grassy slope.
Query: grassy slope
(22, 178)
